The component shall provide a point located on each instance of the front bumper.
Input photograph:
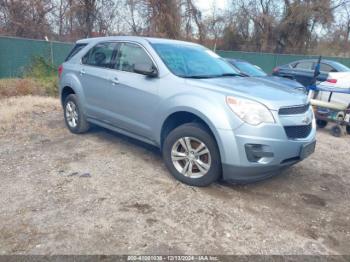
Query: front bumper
(243, 175)
(282, 152)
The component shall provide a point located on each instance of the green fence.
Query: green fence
(17, 53)
(268, 61)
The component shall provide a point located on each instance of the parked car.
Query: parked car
(245, 68)
(337, 80)
(249, 70)
(303, 70)
(208, 121)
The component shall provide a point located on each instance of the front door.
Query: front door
(135, 96)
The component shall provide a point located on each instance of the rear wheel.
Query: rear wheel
(348, 130)
(73, 115)
(191, 155)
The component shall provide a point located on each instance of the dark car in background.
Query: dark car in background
(303, 70)
(245, 68)
(249, 70)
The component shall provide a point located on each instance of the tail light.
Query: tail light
(60, 70)
(333, 81)
(276, 69)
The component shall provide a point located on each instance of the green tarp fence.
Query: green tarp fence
(16, 54)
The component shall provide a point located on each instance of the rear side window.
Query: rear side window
(101, 55)
(326, 68)
(74, 51)
(304, 65)
(129, 55)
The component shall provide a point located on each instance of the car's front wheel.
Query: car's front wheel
(191, 154)
(73, 115)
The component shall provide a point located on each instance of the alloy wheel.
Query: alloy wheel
(72, 115)
(191, 157)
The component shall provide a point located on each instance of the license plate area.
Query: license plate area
(307, 150)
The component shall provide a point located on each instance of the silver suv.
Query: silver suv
(208, 121)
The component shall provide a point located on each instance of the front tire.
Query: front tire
(73, 115)
(191, 154)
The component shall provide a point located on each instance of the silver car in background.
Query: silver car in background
(208, 121)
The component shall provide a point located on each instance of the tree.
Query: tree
(192, 16)
(214, 24)
(26, 18)
(163, 18)
(299, 22)
(254, 25)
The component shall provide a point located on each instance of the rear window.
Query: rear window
(341, 67)
(74, 51)
(326, 68)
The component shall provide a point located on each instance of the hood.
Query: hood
(289, 82)
(273, 94)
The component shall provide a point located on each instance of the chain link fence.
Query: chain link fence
(16, 54)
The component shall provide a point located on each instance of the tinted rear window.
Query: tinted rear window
(341, 68)
(75, 50)
(326, 68)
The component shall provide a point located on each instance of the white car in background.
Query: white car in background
(337, 81)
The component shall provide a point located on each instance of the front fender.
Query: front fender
(213, 111)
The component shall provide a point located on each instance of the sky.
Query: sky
(205, 5)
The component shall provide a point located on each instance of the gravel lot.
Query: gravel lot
(104, 193)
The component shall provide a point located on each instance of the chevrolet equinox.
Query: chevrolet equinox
(208, 121)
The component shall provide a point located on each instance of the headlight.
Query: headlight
(250, 111)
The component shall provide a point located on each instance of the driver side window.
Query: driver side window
(130, 54)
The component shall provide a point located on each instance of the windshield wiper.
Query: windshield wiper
(229, 74)
(212, 76)
(199, 76)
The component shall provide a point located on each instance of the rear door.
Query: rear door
(97, 80)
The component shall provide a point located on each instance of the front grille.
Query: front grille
(294, 110)
(294, 132)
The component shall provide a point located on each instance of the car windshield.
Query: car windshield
(249, 69)
(193, 61)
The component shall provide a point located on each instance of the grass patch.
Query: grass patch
(28, 86)
(40, 78)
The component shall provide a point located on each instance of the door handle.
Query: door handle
(82, 72)
(115, 80)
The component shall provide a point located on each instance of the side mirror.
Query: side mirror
(146, 69)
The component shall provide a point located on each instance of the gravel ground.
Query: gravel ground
(104, 193)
